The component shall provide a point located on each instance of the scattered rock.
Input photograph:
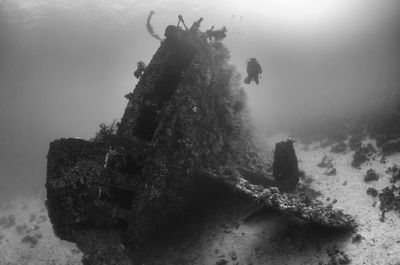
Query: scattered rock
(338, 148)
(306, 179)
(363, 154)
(391, 147)
(372, 192)
(31, 240)
(326, 162)
(233, 255)
(382, 217)
(221, 262)
(21, 228)
(337, 257)
(356, 141)
(273, 190)
(7, 222)
(330, 171)
(371, 176)
(42, 219)
(395, 172)
(32, 218)
(390, 199)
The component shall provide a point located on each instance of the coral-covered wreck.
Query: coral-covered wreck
(185, 134)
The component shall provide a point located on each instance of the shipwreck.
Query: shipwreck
(185, 134)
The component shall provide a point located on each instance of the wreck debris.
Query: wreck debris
(296, 205)
(182, 135)
(285, 167)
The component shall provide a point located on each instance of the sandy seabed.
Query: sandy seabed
(225, 234)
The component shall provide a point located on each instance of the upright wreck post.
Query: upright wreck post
(184, 133)
(285, 167)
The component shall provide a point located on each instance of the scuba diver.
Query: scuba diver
(141, 67)
(253, 69)
(150, 27)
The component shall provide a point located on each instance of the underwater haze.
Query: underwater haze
(65, 66)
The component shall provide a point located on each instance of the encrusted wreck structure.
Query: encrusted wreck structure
(184, 135)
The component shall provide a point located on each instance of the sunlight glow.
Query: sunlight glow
(298, 13)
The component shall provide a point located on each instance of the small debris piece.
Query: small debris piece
(356, 238)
